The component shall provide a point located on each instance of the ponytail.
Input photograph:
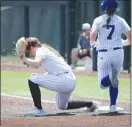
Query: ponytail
(52, 50)
(109, 13)
(107, 22)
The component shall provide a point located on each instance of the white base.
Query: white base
(105, 109)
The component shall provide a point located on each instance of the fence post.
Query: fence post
(26, 21)
(72, 30)
(63, 30)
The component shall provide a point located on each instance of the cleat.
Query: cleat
(93, 108)
(112, 108)
(35, 112)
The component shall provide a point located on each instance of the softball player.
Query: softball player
(59, 78)
(109, 28)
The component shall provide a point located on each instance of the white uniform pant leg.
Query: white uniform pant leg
(117, 63)
(62, 99)
(104, 66)
(55, 83)
(63, 85)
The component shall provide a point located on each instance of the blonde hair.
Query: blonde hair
(52, 50)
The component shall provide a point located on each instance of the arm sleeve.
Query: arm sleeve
(96, 24)
(126, 27)
(40, 54)
(78, 42)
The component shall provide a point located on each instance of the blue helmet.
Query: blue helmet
(109, 4)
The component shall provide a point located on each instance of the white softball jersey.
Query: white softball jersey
(109, 38)
(59, 78)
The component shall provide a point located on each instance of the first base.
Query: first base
(105, 109)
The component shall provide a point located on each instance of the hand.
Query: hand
(22, 54)
(80, 52)
(125, 42)
(85, 51)
(22, 57)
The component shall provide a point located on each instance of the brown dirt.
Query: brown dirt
(12, 109)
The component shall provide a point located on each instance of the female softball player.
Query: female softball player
(59, 78)
(109, 28)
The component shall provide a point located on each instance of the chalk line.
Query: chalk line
(26, 98)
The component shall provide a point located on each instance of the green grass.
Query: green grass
(87, 86)
(16, 83)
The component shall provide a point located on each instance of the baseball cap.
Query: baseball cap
(86, 26)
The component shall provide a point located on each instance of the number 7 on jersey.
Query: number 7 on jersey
(111, 32)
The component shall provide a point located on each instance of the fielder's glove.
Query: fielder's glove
(21, 46)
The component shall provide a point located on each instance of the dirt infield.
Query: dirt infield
(12, 108)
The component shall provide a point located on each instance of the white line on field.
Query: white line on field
(26, 98)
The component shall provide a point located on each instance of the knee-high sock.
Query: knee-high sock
(113, 92)
(79, 104)
(113, 95)
(36, 95)
(105, 82)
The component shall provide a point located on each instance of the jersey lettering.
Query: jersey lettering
(111, 32)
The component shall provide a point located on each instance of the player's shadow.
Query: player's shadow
(111, 114)
(60, 114)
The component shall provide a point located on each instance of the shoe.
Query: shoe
(113, 108)
(93, 108)
(35, 112)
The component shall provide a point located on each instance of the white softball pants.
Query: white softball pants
(63, 84)
(109, 62)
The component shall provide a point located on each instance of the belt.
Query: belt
(105, 50)
(62, 73)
